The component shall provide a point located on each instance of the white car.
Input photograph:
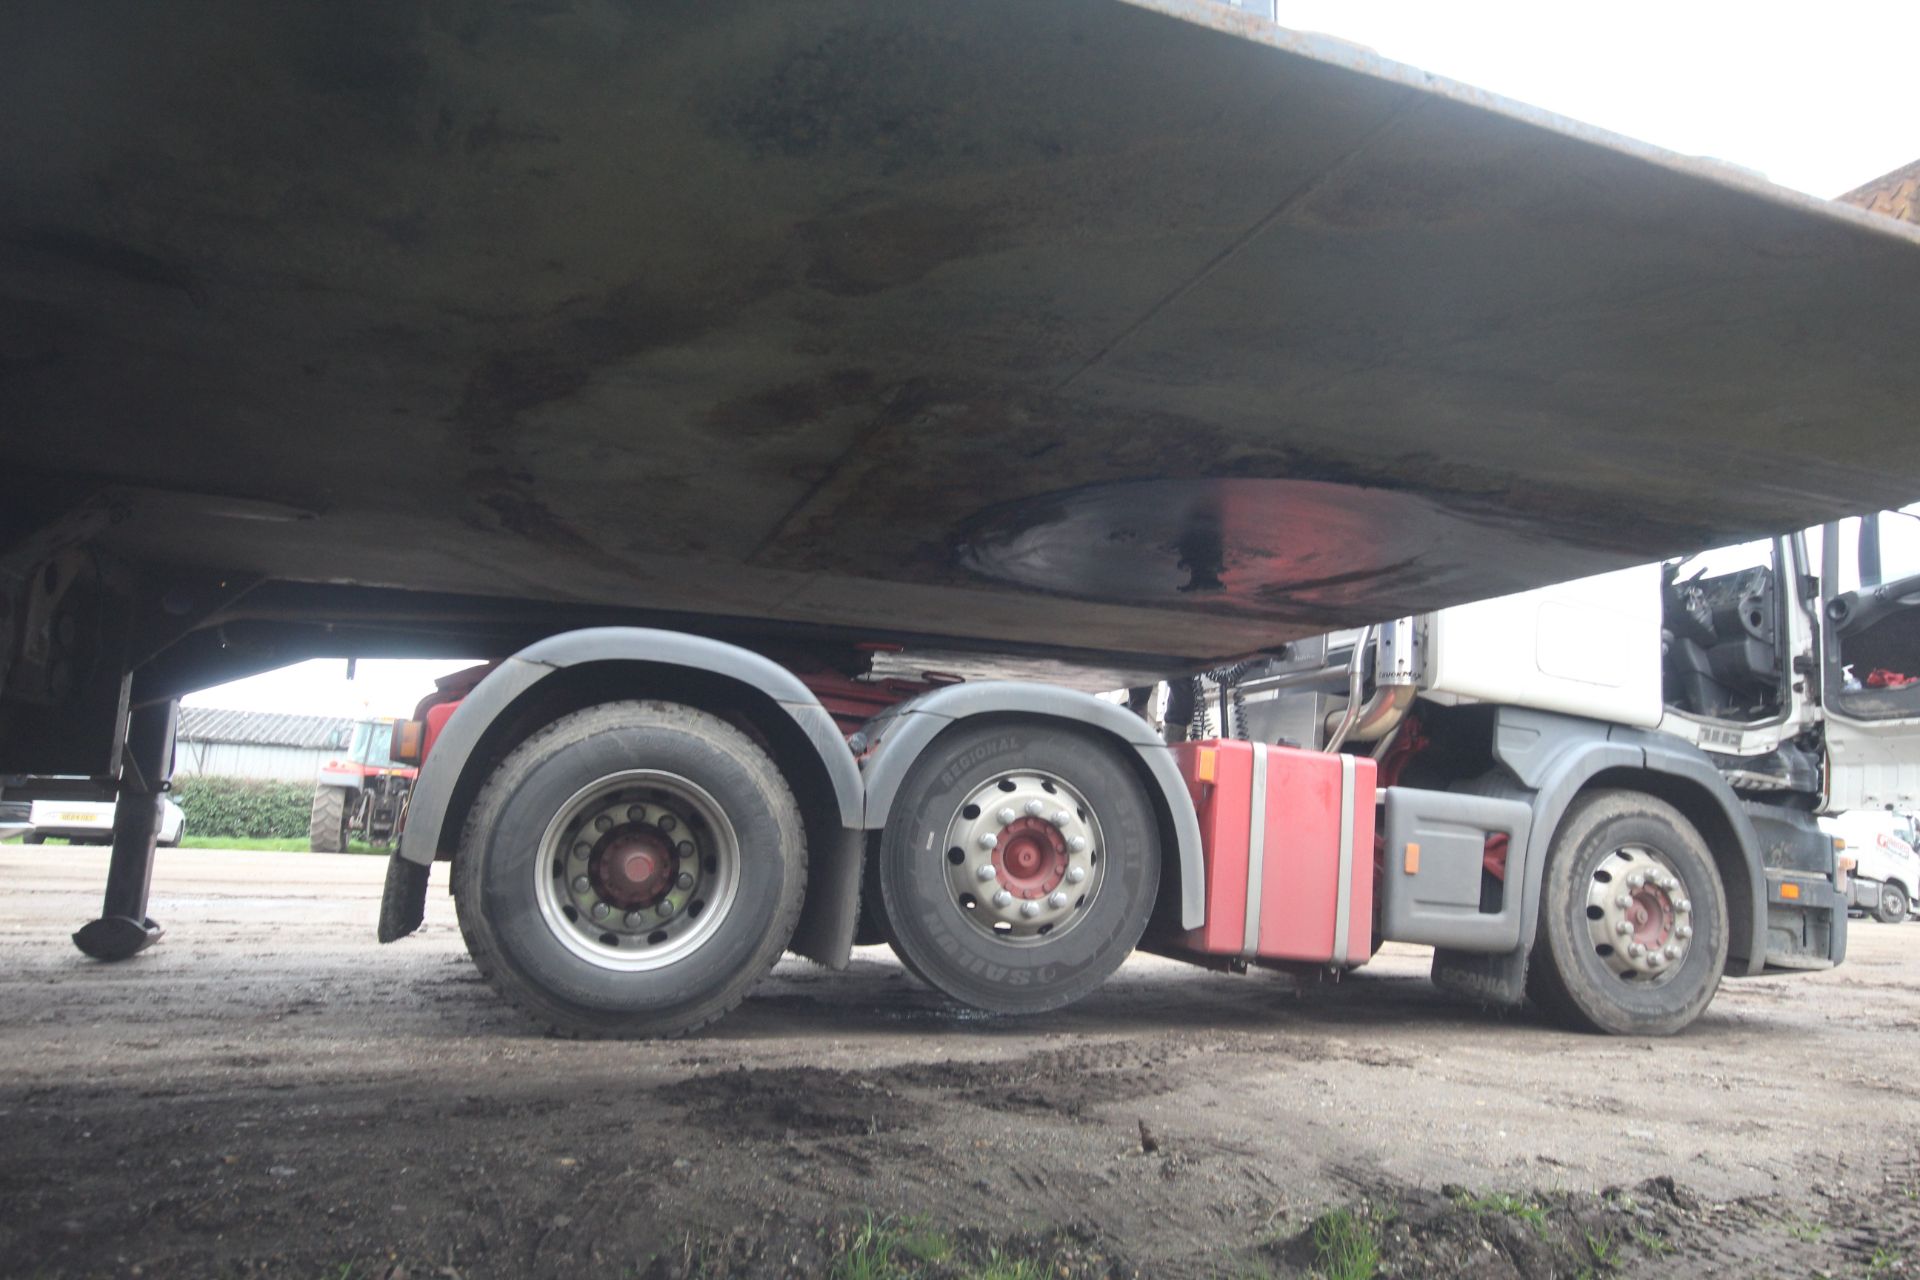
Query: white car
(1885, 875)
(91, 822)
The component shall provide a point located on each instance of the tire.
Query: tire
(1605, 839)
(732, 871)
(1064, 951)
(34, 837)
(1894, 905)
(327, 821)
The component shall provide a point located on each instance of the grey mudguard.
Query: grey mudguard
(513, 678)
(1554, 756)
(895, 739)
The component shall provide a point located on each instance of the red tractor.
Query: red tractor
(361, 795)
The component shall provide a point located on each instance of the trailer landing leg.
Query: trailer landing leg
(123, 929)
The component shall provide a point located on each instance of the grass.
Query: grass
(1510, 1206)
(1883, 1262)
(288, 844)
(1805, 1231)
(1344, 1247)
(1602, 1249)
(905, 1248)
(1651, 1243)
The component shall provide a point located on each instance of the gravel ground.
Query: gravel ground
(270, 1091)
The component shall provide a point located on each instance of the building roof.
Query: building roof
(265, 729)
(1895, 194)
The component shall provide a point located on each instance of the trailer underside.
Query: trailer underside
(1132, 335)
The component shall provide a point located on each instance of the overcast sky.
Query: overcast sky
(1819, 98)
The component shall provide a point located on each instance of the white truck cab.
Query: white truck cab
(1876, 848)
(1733, 696)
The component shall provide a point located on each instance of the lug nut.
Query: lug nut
(1076, 874)
(1684, 931)
(987, 840)
(1035, 808)
(582, 849)
(1077, 844)
(1006, 816)
(1636, 951)
(1029, 909)
(1683, 905)
(665, 909)
(684, 848)
(636, 919)
(603, 823)
(1635, 880)
(1623, 928)
(1654, 961)
(1623, 902)
(1672, 953)
(667, 822)
(984, 872)
(581, 884)
(601, 911)
(636, 813)
(684, 880)
(1003, 899)
(1056, 899)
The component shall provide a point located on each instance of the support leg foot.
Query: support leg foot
(117, 937)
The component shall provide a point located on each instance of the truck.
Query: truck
(807, 409)
(1602, 796)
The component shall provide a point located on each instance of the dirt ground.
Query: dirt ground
(271, 1092)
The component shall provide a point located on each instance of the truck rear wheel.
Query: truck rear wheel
(1893, 906)
(1019, 865)
(630, 870)
(1633, 919)
(327, 821)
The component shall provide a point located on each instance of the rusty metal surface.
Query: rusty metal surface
(832, 313)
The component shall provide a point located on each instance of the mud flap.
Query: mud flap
(403, 905)
(827, 921)
(1496, 979)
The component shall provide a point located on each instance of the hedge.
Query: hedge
(248, 808)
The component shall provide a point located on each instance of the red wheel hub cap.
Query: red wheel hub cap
(1031, 858)
(1651, 916)
(634, 867)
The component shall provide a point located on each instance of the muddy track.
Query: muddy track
(269, 1091)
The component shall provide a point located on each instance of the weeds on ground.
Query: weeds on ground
(1805, 1230)
(1512, 1206)
(1652, 1244)
(1344, 1246)
(1602, 1249)
(1884, 1262)
(906, 1248)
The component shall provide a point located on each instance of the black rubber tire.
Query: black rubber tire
(327, 820)
(950, 954)
(1893, 906)
(1565, 977)
(514, 948)
(34, 837)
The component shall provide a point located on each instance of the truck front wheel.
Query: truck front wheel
(1893, 906)
(1633, 919)
(630, 870)
(1019, 865)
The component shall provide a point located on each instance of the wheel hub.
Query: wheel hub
(1639, 914)
(1030, 858)
(633, 867)
(636, 869)
(1024, 856)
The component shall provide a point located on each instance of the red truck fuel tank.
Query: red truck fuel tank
(1288, 841)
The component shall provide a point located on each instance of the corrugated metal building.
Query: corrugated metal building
(257, 744)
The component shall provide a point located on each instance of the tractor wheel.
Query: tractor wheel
(630, 870)
(327, 823)
(1019, 865)
(1633, 919)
